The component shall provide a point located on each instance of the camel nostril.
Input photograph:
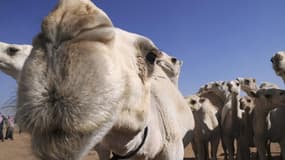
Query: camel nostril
(272, 60)
(173, 60)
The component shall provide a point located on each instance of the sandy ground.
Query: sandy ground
(20, 149)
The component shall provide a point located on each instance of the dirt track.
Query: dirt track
(19, 149)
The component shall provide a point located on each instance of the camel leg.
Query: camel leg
(261, 149)
(214, 148)
(225, 149)
(282, 146)
(206, 150)
(229, 143)
(268, 149)
(194, 148)
(201, 151)
(243, 151)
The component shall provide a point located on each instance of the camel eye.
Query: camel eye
(151, 57)
(193, 102)
(237, 84)
(246, 82)
(11, 51)
(248, 101)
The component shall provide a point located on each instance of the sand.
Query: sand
(20, 149)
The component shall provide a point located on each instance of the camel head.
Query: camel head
(216, 86)
(194, 102)
(247, 104)
(12, 58)
(234, 87)
(248, 84)
(278, 63)
(269, 98)
(81, 74)
(171, 66)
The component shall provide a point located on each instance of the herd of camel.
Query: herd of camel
(85, 83)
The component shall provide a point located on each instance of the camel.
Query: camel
(278, 64)
(266, 101)
(13, 57)
(230, 117)
(125, 101)
(206, 127)
(245, 140)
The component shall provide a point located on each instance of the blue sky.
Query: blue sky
(216, 39)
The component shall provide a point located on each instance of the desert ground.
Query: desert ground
(20, 149)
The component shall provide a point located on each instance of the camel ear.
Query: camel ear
(152, 56)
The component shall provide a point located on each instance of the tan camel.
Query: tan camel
(207, 128)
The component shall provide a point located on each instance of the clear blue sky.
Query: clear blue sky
(216, 39)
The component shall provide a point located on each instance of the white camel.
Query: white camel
(12, 58)
(125, 100)
(206, 127)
